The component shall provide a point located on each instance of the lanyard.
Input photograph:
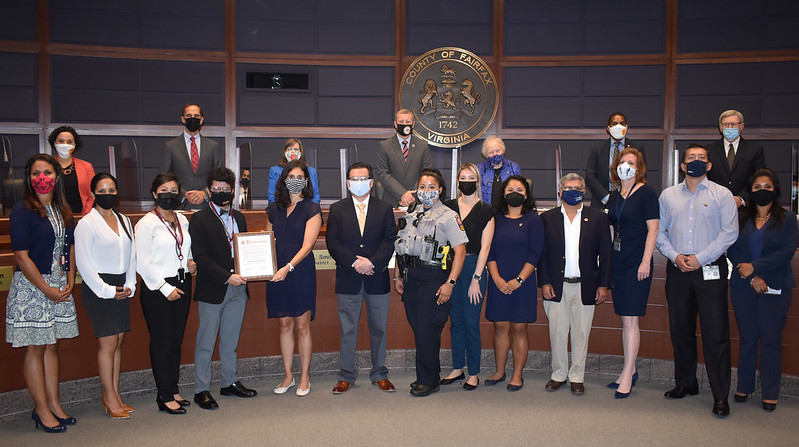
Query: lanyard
(619, 210)
(224, 225)
(177, 235)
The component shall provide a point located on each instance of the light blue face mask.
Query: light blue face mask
(428, 198)
(730, 133)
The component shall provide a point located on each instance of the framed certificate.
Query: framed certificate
(254, 255)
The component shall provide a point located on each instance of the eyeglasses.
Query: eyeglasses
(573, 188)
(358, 179)
(730, 125)
(221, 189)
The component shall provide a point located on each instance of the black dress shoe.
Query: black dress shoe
(237, 389)
(453, 380)
(205, 400)
(422, 390)
(414, 384)
(678, 392)
(162, 407)
(492, 382)
(768, 406)
(183, 402)
(740, 398)
(469, 387)
(514, 388)
(721, 408)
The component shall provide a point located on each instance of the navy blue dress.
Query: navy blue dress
(296, 294)
(628, 218)
(516, 242)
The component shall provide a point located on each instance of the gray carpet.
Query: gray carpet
(365, 416)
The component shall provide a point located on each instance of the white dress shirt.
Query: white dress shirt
(187, 137)
(99, 250)
(571, 238)
(156, 253)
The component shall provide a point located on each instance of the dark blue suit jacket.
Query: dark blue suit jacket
(774, 265)
(595, 252)
(748, 159)
(344, 242)
(211, 250)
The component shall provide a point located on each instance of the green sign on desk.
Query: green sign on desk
(6, 273)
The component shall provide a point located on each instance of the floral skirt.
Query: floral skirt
(32, 318)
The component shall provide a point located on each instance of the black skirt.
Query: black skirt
(108, 316)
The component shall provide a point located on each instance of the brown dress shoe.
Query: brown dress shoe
(341, 387)
(553, 385)
(577, 388)
(385, 385)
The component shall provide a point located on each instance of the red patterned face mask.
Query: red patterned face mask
(43, 184)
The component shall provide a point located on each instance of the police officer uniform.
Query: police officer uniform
(424, 240)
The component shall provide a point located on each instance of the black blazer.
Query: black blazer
(597, 175)
(175, 159)
(344, 242)
(595, 252)
(210, 249)
(748, 158)
(774, 265)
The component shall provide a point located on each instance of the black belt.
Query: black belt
(414, 261)
(575, 280)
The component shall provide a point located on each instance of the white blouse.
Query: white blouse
(156, 253)
(99, 250)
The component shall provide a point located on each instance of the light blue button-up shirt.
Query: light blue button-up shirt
(704, 223)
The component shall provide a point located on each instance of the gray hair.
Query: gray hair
(490, 139)
(570, 177)
(731, 112)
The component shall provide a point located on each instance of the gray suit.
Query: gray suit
(176, 160)
(396, 175)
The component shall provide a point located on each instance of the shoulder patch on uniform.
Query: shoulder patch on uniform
(460, 223)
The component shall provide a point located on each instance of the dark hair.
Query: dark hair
(360, 165)
(610, 118)
(640, 170)
(54, 134)
(160, 179)
(282, 195)
(776, 213)
(286, 145)
(501, 206)
(189, 104)
(221, 174)
(32, 200)
(435, 173)
(102, 176)
(694, 146)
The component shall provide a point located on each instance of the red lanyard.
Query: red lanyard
(177, 235)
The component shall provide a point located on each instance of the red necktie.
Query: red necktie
(195, 155)
(405, 150)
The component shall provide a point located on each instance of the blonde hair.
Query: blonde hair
(472, 167)
(731, 112)
(489, 140)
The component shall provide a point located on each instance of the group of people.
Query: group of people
(488, 244)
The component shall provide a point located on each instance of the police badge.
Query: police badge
(452, 94)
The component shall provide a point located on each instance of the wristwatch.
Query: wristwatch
(477, 277)
(451, 281)
(291, 267)
(519, 278)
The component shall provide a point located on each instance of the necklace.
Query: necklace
(762, 218)
(68, 170)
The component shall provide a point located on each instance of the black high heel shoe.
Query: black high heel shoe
(162, 407)
(57, 429)
(69, 420)
(769, 406)
(449, 381)
(740, 398)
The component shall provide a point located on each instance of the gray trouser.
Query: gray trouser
(225, 320)
(349, 313)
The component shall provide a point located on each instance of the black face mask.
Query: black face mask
(467, 188)
(514, 199)
(404, 129)
(105, 201)
(192, 124)
(221, 198)
(168, 200)
(244, 182)
(763, 197)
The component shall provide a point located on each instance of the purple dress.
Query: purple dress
(516, 242)
(296, 294)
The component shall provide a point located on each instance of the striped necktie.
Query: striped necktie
(405, 150)
(616, 145)
(361, 216)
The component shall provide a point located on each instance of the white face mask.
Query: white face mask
(359, 188)
(64, 150)
(618, 131)
(625, 171)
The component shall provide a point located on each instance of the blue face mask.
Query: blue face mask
(730, 133)
(496, 159)
(696, 168)
(428, 198)
(572, 197)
